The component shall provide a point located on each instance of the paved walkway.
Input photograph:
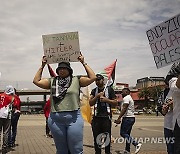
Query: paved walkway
(31, 136)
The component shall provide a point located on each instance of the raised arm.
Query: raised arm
(90, 78)
(38, 81)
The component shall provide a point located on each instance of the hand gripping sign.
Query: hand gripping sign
(164, 40)
(61, 47)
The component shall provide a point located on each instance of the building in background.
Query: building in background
(146, 82)
(149, 82)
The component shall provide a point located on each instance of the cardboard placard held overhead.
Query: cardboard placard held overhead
(164, 40)
(61, 47)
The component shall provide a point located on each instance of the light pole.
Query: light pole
(157, 95)
(149, 78)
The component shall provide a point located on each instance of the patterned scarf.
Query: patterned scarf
(59, 87)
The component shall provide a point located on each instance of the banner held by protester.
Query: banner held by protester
(61, 47)
(164, 42)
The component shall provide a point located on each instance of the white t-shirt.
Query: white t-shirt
(168, 118)
(176, 100)
(130, 110)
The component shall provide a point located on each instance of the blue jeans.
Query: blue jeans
(168, 134)
(13, 128)
(67, 131)
(125, 131)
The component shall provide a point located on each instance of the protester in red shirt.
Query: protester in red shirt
(14, 120)
(17, 103)
(6, 99)
(47, 108)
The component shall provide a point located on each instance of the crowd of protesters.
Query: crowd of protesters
(67, 133)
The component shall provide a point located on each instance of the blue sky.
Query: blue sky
(108, 30)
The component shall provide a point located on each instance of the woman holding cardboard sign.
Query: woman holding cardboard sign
(65, 120)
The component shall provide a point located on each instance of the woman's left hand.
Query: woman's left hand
(81, 58)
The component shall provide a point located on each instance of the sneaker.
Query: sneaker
(50, 136)
(138, 147)
(11, 145)
(5, 150)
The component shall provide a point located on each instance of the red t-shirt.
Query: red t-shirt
(5, 99)
(47, 108)
(17, 102)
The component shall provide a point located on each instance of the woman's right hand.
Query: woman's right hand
(44, 61)
(38, 81)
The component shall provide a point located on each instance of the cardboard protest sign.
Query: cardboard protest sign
(164, 40)
(61, 47)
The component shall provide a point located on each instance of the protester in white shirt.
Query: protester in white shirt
(167, 111)
(128, 120)
(174, 85)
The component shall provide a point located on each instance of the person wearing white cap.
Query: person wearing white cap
(6, 100)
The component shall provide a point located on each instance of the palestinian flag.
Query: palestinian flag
(109, 73)
(51, 72)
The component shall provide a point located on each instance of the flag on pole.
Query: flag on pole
(109, 73)
(51, 72)
(85, 107)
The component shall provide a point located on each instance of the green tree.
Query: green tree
(155, 92)
(145, 93)
(151, 93)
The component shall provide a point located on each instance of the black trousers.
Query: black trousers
(13, 128)
(101, 127)
(177, 139)
(47, 127)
